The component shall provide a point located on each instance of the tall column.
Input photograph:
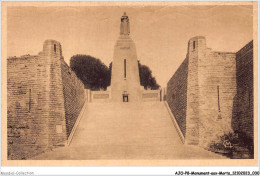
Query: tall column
(125, 72)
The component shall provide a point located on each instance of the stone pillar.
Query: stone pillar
(195, 47)
(52, 54)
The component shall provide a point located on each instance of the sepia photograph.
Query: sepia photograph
(129, 83)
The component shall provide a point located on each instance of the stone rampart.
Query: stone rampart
(243, 112)
(200, 94)
(40, 100)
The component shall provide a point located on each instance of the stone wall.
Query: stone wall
(35, 102)
(27, 107)
(100, 96)
(217, 89)
(243, 112)
(200, 93)
(74, 96)
(105, 96)
(151, 95)
(177, 95)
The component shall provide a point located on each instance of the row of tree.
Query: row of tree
(96, 75)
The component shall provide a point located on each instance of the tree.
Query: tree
(96, 75)
(91, 71)
(146, 78)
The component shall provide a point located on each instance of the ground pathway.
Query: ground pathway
(127, 131)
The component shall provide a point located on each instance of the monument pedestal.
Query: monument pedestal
(125, 81)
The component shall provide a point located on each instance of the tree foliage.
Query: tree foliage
(91, 71)
(96, 75)
(146, 78)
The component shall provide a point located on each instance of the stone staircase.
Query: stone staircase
(126, 131)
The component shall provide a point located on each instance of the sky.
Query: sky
(161, 33)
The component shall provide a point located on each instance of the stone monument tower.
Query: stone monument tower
(125, 81)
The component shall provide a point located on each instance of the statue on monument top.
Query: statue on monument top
(125, 25)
